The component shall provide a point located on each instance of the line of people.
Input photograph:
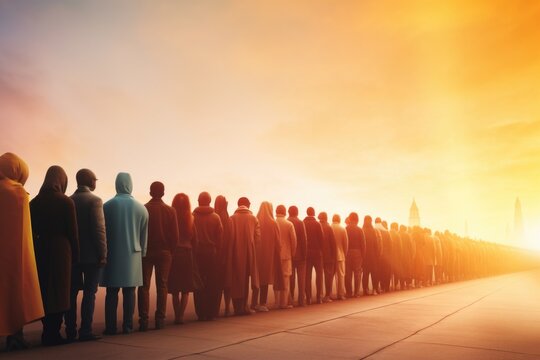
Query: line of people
(55, 246)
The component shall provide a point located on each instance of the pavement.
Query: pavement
(492, 318)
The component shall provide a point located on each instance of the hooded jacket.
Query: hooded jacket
(209, 229)
(20, 296)
(56, 241)
(127, 233)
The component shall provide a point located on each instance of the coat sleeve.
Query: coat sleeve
(98, 227)
(346, 243)
(144, 231)
(174, 238)
(72, 231)
(294, 242)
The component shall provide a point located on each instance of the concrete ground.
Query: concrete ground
(493, 318)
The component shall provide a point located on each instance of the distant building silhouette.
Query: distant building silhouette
(518, 222)
(414, 215)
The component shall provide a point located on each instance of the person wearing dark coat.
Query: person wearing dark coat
(407, 257)
(329, 255)
(220, 207)
(385, 273)
(397, 255)
(355, 256)
(93, 256)
(56, 243)
(299, 259)
(162, 242)
(314, 236)
(372, 256)
(209, 237)
(184, 274)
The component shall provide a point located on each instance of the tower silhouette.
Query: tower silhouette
(518, 221)
(414, 215)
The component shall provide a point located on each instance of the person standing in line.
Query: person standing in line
(242, 267)
(184, 276)
(93, 256)
(329, 256)
(299, 259)
(209, 237)
(408, 255)
(127, 233)
(220, 207)
(342, 246)
(20, 295)
(355, 256)
(314, 236)
(397, 255)
(56, 243)
(386, 256)
(267, 253)
(162, 242)
(287, 240)
(372, 254)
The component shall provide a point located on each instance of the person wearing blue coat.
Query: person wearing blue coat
(127, 230)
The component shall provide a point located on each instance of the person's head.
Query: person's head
(367, 220)
(281, 210)
(323, 216)
(293, 211)
(123, 183)
(378, 220)
(244, 201)
(394, 226)
(403, 228)
(310, 211)
(14, 168)
(353, 218)
(204, 199)
(385, 224)
(157, 190)
(86, 177)
(336, 219)
(56, 180)
(220, 204)
(181, 203)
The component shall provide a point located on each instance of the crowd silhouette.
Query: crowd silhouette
(55, 246)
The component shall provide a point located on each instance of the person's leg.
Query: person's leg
(175, 296)
(348, 277)
(308, 279)
(16, 341)
(329, 270)
(163, 266)
(319, 278)
(143, 292)
(365, 280)
(255, 298)
(70, 316)
(128, 294)
(264, 295)
(111, 306)
(302, 270)
(227, 300)
(292, 281)
(90, 287)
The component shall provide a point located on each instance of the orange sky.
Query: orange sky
(358, 105)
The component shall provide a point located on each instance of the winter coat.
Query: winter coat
(20, 296)
(56, 240)
(127, 233)
(328, 243)
(245, 231)
(301, 240)
(162, 227)
(209, 230)
(91, 225)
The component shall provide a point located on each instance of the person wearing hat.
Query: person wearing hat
(245, 231)
(209, 237)
(93, 256)
(162, 242)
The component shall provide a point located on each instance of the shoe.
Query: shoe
(89, 337)
(109, 332)
(261, 308)
(327, 299)
(286, 307)
(160, 324)
(142, 327)
(15, 342)
(55, 341)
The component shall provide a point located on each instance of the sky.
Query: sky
(340, 105)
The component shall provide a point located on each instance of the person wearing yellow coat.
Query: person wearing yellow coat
(20, 296)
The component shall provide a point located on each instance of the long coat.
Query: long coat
(267, 247)
(56, 242)
(241, 260)
(342, 241)
(20, 296)
(127, 232)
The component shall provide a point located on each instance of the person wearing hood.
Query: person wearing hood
(299, 259)
(267, 252)
(93, 255)
(220, 207)
(355, 256)
(162, 242)
(209, 237)
(314, 259)
(20, 295)
(329, 255)
(342, 247)
(287, 242)
(385, 264)
(184, 276)
(372, 256)
(127, 232)
(245, 232)
(56, 243)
